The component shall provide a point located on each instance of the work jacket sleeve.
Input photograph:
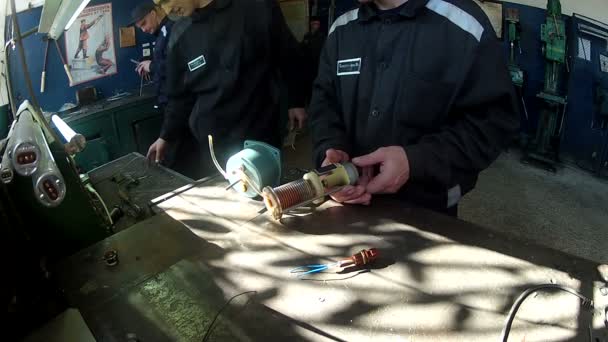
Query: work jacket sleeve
(326, 118)
(482, 119)
(181, 100)
(287, 54)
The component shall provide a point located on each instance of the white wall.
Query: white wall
(596, 9)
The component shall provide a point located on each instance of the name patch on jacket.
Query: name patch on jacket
(349, 67)
(196, 63)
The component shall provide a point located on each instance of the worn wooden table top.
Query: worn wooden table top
(439, 279)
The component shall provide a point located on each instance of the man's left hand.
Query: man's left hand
(143, 68)
(394, 169)
(298, 115)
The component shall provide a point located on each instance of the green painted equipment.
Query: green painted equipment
(553, 35)
(258, 165)
(544, 149)
(513, 29)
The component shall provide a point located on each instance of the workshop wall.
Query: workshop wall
(586, 132)
(58, 90)
(584, 142)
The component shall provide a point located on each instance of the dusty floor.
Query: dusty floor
(567, 210)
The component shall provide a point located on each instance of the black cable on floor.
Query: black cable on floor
(507, 328)
(210, 327)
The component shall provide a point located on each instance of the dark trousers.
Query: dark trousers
(453, 211)
(183, 155)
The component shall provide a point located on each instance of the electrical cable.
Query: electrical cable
(93, 191)
(214, 159)
(209, 329)
(519, 301)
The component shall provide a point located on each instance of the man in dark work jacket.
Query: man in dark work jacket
(224, 59)
(418, 94)
(182, 155)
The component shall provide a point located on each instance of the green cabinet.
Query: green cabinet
(115, 129)
(135, 126)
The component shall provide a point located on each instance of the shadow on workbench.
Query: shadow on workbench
(169, 283)
(405, 245)
(163, 289)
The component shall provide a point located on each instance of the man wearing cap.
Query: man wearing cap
(153, 20)
(224, 59)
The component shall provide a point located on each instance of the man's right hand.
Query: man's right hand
(156, 152)
(350, 194)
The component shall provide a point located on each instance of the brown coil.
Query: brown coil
(294, 193)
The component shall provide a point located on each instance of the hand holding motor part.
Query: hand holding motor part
(394, 169)
(351, 194)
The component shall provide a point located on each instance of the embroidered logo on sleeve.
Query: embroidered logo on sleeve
(349, 67)
(197, 63)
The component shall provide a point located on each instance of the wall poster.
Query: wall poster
(89, 44)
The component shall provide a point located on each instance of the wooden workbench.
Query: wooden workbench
(439, 279)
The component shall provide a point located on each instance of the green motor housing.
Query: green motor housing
(261, 164)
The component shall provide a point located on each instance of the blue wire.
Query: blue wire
(309, 269)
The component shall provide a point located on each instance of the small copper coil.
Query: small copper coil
(294, 193)
(365, 257)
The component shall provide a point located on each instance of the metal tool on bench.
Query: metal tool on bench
(258, 165)
(125, 183)
(363, 258)
(132, 209)
(312, 188)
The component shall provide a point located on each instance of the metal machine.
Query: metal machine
(6, 165)
(312, 188)
(544, 149)
(512, 18)
(49, 185)
(27, 153)
(553, 35)
(23, 146)
(514, 36)
(256, 166)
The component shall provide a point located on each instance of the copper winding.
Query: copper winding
(293, 193)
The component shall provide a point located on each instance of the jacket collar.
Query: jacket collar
(411, 8)
(215, 5)
(160, 26)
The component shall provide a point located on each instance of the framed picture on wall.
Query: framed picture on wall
(89, 44)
